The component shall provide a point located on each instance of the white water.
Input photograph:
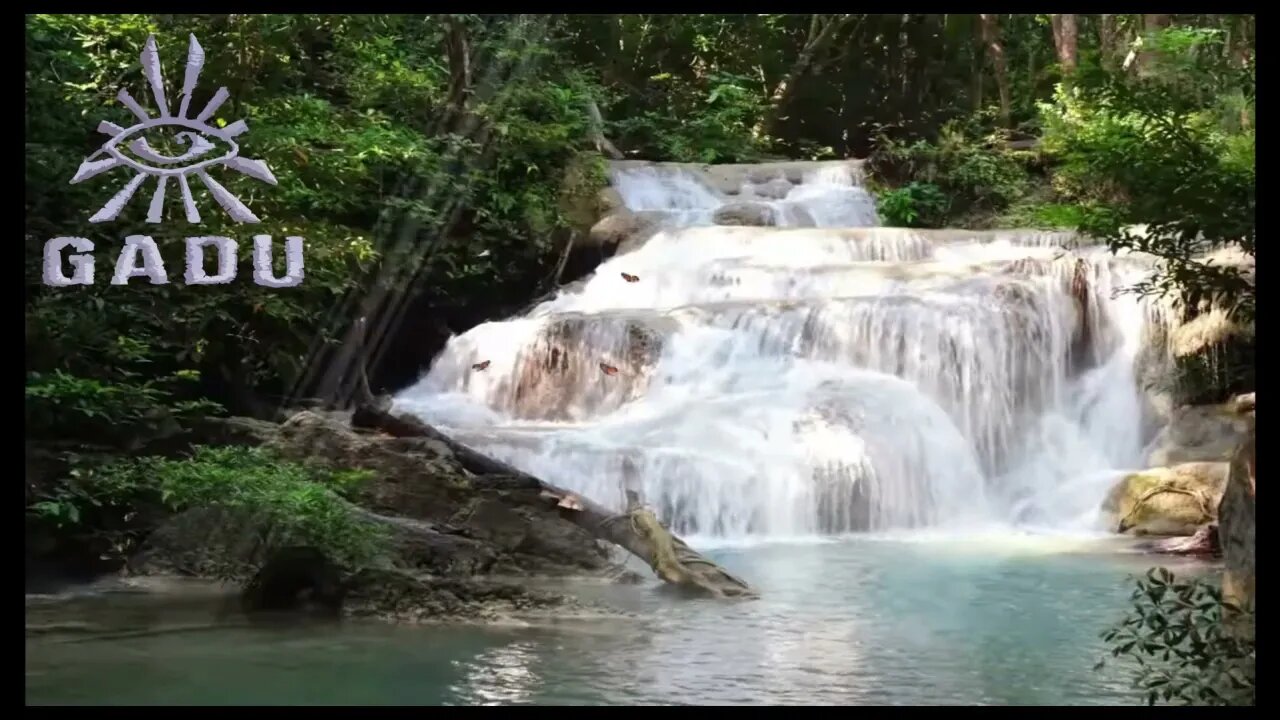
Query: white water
(790, 381)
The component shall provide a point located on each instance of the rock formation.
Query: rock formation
(1167, 501)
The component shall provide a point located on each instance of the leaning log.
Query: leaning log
(636, 530)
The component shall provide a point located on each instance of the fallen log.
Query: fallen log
(636, 530)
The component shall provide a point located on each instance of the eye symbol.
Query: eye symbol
(194, 137)
(199, 146)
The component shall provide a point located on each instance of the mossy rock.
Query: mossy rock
(1175, 500)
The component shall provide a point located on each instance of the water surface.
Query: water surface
(998, 620)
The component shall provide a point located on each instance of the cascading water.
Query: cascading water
(823, 376)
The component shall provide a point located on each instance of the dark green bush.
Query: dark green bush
(1183, 651)
(956, 177)
(916, 204)
(297, 504)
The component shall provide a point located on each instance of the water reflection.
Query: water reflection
(500, 676)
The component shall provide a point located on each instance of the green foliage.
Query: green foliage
(957, 176)
(916, 204)
(59, 402)
(1033, 213)
(1170, 149)
(296, 503)
(388, 182)
(711, 125)
(1184, 648)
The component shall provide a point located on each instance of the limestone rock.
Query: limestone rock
(623, 227)
(609, 200)
(775, 189)
(441, 519)
(745, 213)
(1197, 433)
(560, 372)
(729, 178)
(1175, 500)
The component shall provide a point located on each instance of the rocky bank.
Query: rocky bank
(461, 545)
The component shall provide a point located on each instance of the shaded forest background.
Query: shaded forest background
(440, 167)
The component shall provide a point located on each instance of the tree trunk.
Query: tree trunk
(1236, 530)
(1065, 41)
(822, 33)
(995, 52)
(1145, 58)
(458, 51)
(1238, 51)
(595, 130)
(636, 530)
(1108, 40)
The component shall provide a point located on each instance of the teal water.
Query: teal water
(1002, 620)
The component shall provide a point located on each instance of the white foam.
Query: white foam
(784, 382)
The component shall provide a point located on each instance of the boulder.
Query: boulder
(1198, 433)
(775, 189)
(217, 542)
(745, 213)
(440, 519)
(609, 200)
(1175, 500)
(624, 227)
(295, 579)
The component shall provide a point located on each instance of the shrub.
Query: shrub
(965, 175)
(1183, 650)
(916, 204)
(711, 125)
(296, 504)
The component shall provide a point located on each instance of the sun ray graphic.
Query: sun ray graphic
(165, 167)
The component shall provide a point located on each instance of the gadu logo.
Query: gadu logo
(200, 139)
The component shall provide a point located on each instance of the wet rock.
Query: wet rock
(775, 189)
(623, 227)
(401, 596)
(1204, 543)
(608, 200)
(1198, 433)
(413, 478)
(729, 178)
(440, 519)
(1167, 501)
(559, 375)
(295, 579)
(745, 213)
(216, 542)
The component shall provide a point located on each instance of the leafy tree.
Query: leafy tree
(1167, 150)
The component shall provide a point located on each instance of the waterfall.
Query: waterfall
(822, 375)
